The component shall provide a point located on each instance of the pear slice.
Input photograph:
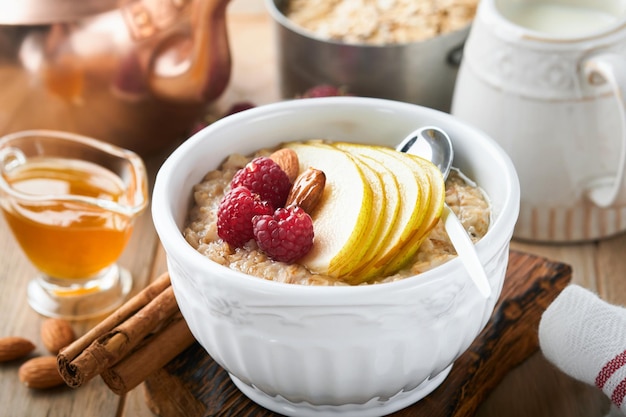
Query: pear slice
(434, 179)
(414, 201)
(342, 218)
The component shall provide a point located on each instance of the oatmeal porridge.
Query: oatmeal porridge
(464, 198)
(381, 22)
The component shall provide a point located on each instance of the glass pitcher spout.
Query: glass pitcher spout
(121, 172)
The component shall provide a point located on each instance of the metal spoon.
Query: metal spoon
(430, 143)
(435, 145)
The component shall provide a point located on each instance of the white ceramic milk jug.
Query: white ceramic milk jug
(547, 80)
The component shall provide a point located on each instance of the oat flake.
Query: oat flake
(381, 22)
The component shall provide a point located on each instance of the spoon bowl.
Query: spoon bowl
(434, 144)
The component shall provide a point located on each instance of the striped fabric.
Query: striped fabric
(585, 337)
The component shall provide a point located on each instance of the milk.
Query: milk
(560, 19)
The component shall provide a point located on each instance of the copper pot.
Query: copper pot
(136, 73)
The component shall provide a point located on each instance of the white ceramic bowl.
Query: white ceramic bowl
(361, 351)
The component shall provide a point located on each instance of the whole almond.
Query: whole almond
(41, 372)
(307, 190)
(13, 347)
(56, 334)
(287, 159)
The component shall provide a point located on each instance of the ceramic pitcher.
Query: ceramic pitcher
(546, 79)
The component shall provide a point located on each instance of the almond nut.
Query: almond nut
(287, 159)
(41, 372)
(56, 334)
(307, 190)
(13, 347)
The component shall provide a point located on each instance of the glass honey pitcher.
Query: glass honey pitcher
(71, 202)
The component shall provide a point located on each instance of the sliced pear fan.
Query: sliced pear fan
(409, 210)
(378, 206)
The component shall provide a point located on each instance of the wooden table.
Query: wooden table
(533, 389)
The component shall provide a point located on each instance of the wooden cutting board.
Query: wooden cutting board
(193, 385)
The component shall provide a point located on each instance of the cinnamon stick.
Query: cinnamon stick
(108, 342)
(155, 353)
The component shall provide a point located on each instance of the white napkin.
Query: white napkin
(585, 337)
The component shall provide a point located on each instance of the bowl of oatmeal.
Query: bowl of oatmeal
(395, 49)
(305, 344)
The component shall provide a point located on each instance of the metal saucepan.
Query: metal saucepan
(421, 72)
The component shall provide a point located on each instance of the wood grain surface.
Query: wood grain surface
(534, 388)
(193, 385)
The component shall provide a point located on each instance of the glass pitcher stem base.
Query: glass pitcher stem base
(92, 298)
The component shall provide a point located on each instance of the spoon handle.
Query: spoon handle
(466, 250)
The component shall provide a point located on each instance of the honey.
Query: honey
(64, 237)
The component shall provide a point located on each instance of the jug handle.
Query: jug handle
(611, 68)
(203, 63)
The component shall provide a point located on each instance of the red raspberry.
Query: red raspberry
(238, 107)
(198, 126)
(266, 178)
(323, 90)
(235, 213)
(286, 236)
